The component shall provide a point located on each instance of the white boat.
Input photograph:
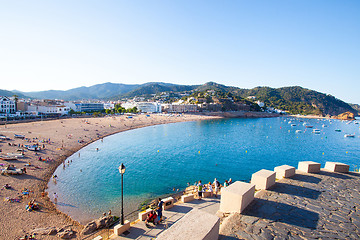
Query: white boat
(298, 131)
(19, 136)
(349, 135)
(316, 131)
(2, 137)
(324, 125)
(8, 158)
(18, 155)
(33, 148)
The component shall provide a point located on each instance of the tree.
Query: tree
(16, 101)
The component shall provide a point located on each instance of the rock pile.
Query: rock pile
(97, 224)
(64, 232)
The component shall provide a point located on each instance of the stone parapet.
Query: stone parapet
(187, 198)
(337, 167)
(284, 171)
(119, 229)
(168, 203)
(236, 197)
(309, 167)
(263, 179)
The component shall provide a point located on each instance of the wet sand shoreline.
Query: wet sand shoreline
(17, 221)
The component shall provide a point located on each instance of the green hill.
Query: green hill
(7, 93)
(295, 100)
(155, 88)
(298, 100)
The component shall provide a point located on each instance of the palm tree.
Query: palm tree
(16, 100)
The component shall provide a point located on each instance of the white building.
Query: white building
(85, 107)
(148, 107)
(261, 104)
(179, 108)
(49, 110)
(7, 105)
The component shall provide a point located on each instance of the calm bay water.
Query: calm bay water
(163, 157)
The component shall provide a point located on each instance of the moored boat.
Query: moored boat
(3, 137)
(18, 155)
(316, 131)
(8, 158)
(337, 130)
(349, 135)
(309, 126)
(298, 131)
(19, 136)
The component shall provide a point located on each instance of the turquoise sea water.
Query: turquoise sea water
(163, 157)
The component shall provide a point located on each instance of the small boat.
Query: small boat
(304, 124)
(293, 125)
(2, 137)
(11, 171)
(316, 131)
(18, 155)
(309, 126)
(19, 136)
(337, 130)
(33, 148)
(356, 123)
(298, 131)
(349, 135)
(8, 158)
(324, 125)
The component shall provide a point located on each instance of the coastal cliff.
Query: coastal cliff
(346, 116)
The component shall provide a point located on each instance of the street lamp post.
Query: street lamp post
(122, 171)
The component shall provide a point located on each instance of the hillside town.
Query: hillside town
(209, 101)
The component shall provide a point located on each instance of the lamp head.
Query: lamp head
(122, 169)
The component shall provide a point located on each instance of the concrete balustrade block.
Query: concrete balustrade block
(168, 203)
(119, 229)
(195, 225)
(143, 215)
(284, 171)
(309, 167)
(187, 198)
(263, 179)
(98, 238)
(337, 167)
(206, 194)
(236, 197)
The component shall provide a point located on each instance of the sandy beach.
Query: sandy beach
(58, 139)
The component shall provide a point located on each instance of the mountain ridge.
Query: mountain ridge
(294, 99)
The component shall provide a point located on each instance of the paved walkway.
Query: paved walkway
(141, 231)
(308, 206)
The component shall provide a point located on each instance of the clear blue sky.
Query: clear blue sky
(66, 44)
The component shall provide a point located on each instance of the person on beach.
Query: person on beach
(210, 189)
(152, 217)
(226, 183)
(55, 197)
(200, 189)
(217, 186)
(159, 209)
